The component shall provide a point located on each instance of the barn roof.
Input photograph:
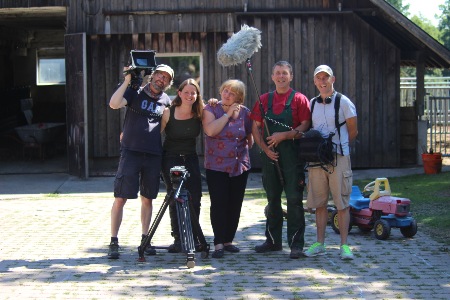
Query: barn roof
(406, 35)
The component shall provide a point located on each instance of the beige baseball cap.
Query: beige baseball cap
(165, 68)
(323, 68)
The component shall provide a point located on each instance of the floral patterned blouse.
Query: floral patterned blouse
(228, 151)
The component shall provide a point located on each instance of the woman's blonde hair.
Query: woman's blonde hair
(237, 87)
(197, 107)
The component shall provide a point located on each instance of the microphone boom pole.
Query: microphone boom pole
(239, 48)
(261, 108)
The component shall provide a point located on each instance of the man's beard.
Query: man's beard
(156, 87)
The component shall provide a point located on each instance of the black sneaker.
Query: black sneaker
(175, 247)
(113, 252)
(295, 252)
(150, 250)
(268, 246)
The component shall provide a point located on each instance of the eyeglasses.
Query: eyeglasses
(162, 76)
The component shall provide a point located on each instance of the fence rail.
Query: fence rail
(436, 109)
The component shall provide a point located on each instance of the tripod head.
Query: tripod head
(178, 175)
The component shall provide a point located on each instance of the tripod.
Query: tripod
(191, 234)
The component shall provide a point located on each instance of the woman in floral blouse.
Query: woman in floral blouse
(228, 138)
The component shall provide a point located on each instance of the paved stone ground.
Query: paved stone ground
(53, 246)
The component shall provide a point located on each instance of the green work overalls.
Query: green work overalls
(293, 175)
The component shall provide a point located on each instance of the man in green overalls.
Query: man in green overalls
(281, 117)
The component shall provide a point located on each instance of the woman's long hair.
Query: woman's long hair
(197, 107)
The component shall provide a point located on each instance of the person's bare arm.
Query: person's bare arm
(352, 126)
(277, 137)
(165, 118)
(250, 141)
(117, 100)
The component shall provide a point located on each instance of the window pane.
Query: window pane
(51, 71)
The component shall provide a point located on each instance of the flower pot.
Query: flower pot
(432, 163)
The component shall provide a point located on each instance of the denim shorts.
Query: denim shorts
(138, 171)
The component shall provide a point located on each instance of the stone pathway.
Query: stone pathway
(54, 247)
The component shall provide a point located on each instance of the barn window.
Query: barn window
(185, 65)
(50, 66)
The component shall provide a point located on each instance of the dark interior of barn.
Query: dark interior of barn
(33, 114)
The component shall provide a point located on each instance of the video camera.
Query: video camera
(142, 63)
(177, 175)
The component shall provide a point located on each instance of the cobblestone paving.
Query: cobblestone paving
(54, 247)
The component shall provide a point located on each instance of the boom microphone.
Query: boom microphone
(240, 46)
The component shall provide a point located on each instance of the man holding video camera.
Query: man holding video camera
(141, 148)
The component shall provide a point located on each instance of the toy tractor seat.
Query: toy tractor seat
(357, 199)
(377, 188)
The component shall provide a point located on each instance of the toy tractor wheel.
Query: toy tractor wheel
(335, 222)
(382, 229)
(409, 231)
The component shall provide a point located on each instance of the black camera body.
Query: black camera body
(142, 63)
(177, 175)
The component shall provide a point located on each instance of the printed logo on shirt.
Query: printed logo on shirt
(152, 107)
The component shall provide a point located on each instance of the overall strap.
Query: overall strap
(288, 102)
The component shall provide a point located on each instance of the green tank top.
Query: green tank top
(181, 135)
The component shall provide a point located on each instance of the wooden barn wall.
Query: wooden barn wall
(34, 3)
(137, 16)
(366, 66)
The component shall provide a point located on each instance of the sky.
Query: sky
(426, 7)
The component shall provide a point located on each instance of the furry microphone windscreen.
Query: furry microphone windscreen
(240, 46)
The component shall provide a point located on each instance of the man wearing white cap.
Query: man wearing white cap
(141, 149)
(339, 181)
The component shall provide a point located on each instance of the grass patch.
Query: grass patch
(430, 201)
(429, 195)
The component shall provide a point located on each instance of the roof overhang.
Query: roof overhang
(406, 35)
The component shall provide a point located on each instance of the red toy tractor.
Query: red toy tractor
(379, 211)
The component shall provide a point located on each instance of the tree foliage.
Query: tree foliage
(444, 24)
(440, 33)
(398, 4)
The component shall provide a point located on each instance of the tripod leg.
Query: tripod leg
(146, 241)
(185, 227)
(198, 233)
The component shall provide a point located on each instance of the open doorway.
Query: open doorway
(32, 85)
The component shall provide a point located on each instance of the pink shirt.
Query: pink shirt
(228, 151)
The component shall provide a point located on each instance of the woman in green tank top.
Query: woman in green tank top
(182, 123)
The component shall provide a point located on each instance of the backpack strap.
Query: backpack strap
(313, 102)
(337, 106)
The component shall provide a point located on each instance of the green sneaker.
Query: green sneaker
(346, 253)
(315, 249)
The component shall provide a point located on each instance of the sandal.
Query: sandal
(231, 248)
(217, 253)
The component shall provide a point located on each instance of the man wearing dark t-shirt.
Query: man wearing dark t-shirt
(141, 149)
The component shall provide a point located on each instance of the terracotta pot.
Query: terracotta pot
(432, 163)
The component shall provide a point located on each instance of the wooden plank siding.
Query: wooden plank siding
(365, 63)
(28, 3)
